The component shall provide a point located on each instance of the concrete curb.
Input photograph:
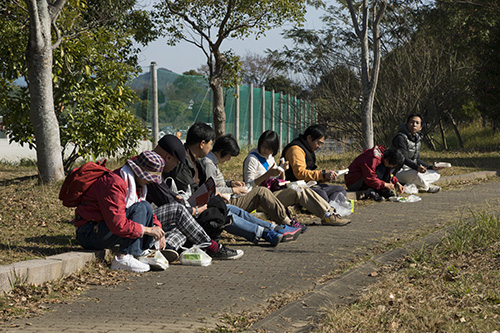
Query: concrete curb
(468, 176)
(301, 315)
(38, 271)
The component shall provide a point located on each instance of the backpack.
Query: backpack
(214, 219)
(79, 181)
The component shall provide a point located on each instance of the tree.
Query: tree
(42, 17)
(88, 76)
(208, 23)
(370, 67)
(257, 69)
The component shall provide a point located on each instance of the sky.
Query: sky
(185, 56)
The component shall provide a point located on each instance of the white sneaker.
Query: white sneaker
(129, 263)
(154, 259)
(433, 189)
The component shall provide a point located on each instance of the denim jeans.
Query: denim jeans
(97, 236)
(246, 225)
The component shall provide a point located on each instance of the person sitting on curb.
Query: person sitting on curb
(300, 154)
(372, 171)
(176, 220)
(192, 174)
(113, 211)
(259, 167)
(414, 171)
(244, 224)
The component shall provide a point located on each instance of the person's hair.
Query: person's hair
(271, 140)
(199, 132)
(315, 131)
(414, 115)
(394, 156)
(226, 145)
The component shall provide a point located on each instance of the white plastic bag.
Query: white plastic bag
(155, 259)
(195, 256)
(411, 189)
(411, 198)
(342, 206)
(297, 185)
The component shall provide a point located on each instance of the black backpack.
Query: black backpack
(214, 219)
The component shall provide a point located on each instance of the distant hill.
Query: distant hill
(165, 77)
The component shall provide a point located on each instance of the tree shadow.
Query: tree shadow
(18, 180)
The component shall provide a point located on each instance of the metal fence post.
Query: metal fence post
(250, 114)
(273, 101)
(154, 103)
(237, 113)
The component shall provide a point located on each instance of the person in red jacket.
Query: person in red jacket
(372, 171)
(113, 211)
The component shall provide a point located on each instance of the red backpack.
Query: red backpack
(79, 181)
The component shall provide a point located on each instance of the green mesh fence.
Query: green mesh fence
(185, 99)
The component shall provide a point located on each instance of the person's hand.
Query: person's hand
(400, 188)
(240, 190)
(286, 165)
(155, 231)
(273, 171)
(163, 243)
(331, 175)
(237, 183)
(421, 169)
(203, 208)
(179, 198)
(389, 186)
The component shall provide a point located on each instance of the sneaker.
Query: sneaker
(226, 253)
(129, 263)
(289, 233)
(170, 254)
(335, 220)
(301, 226)
(273, 237)
(154, 259)
(372, 194)
(433, 189)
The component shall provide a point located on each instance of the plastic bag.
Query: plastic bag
(300, 184)
(342, 206)
(155, 259)
(411, 198)
(195, 256)
(411, 189)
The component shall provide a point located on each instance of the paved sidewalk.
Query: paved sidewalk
(184, 298)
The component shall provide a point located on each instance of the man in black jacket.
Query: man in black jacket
(414, 171)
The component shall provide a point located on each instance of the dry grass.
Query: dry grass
(444, 289)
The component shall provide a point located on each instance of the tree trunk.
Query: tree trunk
(219, 114)
(216, 84)
(369, 78)
(443, 134)
(42, 113)
(455, 128)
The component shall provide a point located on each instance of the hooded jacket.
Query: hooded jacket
(364, 166)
